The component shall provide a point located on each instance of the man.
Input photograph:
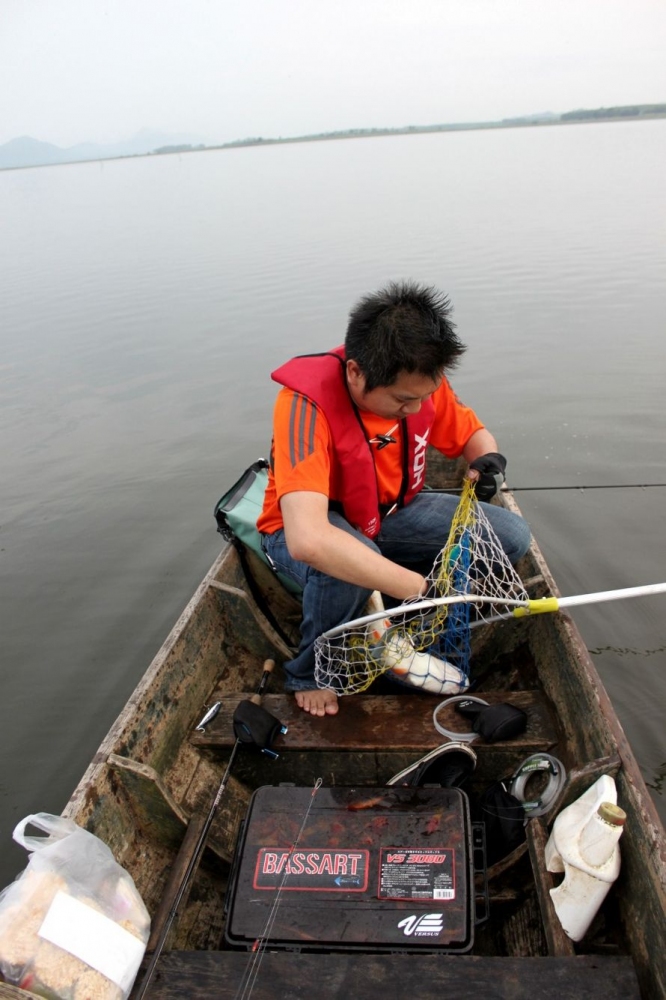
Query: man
(344, 513)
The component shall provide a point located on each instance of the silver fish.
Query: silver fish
(208, 717)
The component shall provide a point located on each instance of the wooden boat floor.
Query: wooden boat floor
(289, 976)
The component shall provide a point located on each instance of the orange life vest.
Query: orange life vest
(321, 377)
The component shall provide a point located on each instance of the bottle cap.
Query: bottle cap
(612, 814)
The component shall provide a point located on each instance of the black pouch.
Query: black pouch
(504, 817)
(494, 722)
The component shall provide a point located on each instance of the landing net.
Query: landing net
(428, 647)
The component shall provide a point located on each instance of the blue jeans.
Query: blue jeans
(412, 536)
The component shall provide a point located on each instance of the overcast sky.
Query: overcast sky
(99, 70)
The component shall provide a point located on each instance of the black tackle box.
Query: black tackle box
(378, 869)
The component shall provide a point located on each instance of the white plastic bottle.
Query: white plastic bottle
(584, 845)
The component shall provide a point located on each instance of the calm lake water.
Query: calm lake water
(144, 303)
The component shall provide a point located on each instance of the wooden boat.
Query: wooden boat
(150, 786)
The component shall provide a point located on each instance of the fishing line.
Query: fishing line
(528, 489)
(252, 971)
(535, 764)
(609, 486)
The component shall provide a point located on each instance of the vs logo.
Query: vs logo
(427, 925)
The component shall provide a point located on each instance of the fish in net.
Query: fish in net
(426, 642)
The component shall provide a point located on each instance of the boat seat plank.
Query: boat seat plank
(249, 622)
(150, 799)
(366, 723)
(156, 810)
(199, 975)
(558, 942)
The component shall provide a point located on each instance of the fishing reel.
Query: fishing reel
(255, 726)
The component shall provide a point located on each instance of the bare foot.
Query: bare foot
(318, 702)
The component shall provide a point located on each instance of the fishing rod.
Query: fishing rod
(252, 724)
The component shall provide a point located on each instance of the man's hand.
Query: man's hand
(491, 468)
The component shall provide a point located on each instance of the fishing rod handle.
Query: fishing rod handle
(269, 666)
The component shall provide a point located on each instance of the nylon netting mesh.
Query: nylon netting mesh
(428, 647)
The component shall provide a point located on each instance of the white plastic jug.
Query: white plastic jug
(584, 845)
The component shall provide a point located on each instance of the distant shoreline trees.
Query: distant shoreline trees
(625, 111)
(580, 115)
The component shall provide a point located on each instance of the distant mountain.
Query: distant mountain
(28, 152)
(25, 151)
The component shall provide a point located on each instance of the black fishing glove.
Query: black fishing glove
(491, 468)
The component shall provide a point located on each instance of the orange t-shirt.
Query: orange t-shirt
(302, 450)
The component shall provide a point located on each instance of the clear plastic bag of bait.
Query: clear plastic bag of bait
(73, 925)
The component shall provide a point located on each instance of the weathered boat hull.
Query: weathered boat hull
(153, 778)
